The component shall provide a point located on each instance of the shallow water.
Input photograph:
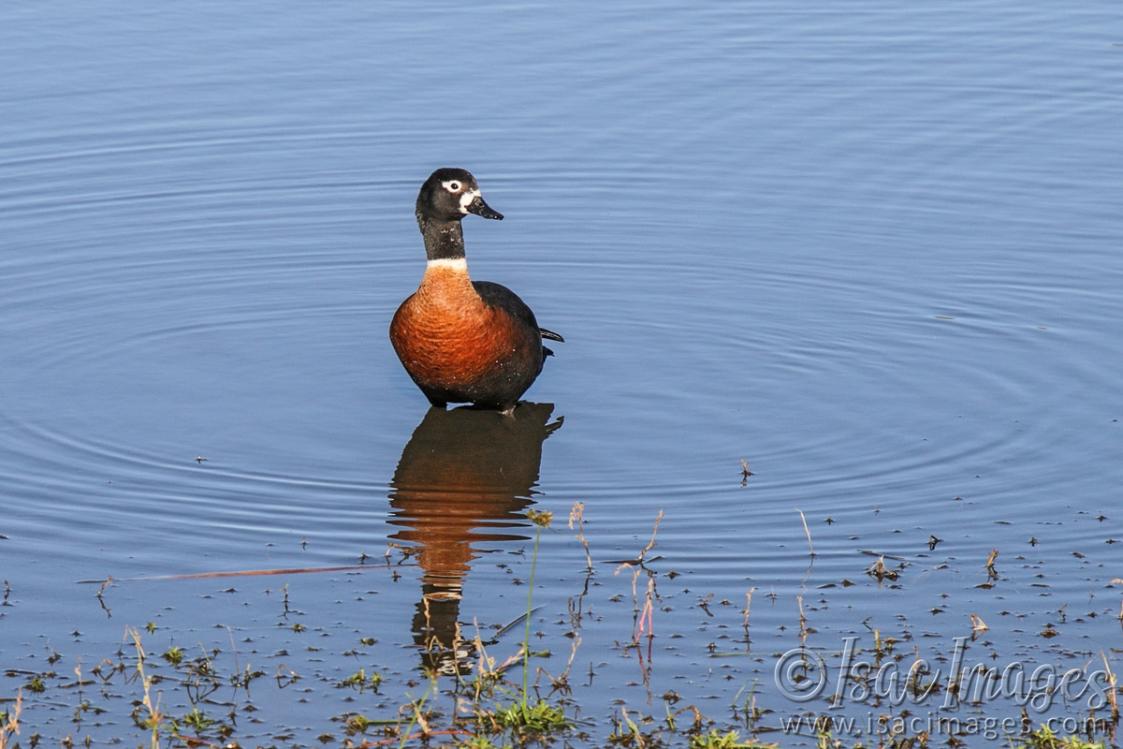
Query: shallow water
(873, 250)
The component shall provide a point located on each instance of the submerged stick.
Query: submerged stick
(230, 573)
(642, 558)
(803, 631)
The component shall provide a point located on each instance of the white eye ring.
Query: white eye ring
(452, 186)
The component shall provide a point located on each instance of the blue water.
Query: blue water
(870, 248)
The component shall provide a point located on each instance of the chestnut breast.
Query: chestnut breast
(446, 335)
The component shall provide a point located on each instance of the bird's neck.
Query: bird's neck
(446, 281)
(456, 266)
(446, 284)
(444, 240)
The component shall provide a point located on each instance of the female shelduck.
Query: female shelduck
(464, 341)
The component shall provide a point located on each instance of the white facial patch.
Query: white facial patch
(467, 198)
(457, 264)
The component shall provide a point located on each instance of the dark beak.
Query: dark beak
(480, 208)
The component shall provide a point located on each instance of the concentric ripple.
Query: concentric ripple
(854, 266)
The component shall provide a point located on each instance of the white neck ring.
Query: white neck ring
(449, 263)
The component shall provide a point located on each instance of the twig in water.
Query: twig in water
(639, 560)
(807, 531)
(100, 592)
(560, 683)
(231, 573)
(642, 617)
(883, 555)
(645, 623)
(704, 604)
(577, 518)
(10, 726)
(1112, 691)
(1114, 581)
(992, 573)
(651, 543)
(418, 719)
(520, 619)
(802, 619)
(745, 613)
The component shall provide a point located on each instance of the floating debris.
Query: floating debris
(992, 573)
(881, 572)
(978, 626)
(745, 472)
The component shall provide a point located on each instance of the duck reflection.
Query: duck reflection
(465, 478)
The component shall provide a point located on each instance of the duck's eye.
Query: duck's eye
(453, 186)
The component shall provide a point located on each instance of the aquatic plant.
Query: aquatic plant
(541, 519)
(715, 739)
(539, 718)
(523, 716)
(9, 721)
(152, 718)
(1044, 738)
(493, 708)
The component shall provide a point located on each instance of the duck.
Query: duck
(464, 341)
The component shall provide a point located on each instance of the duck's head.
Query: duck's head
(450, 195)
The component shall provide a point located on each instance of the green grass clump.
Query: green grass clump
(1044, 738)
(479, 742)
(173, 655)
(196, 720)
(539, 717)
(732, 740)
(361, 681)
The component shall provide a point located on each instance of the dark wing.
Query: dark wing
(497, 295)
